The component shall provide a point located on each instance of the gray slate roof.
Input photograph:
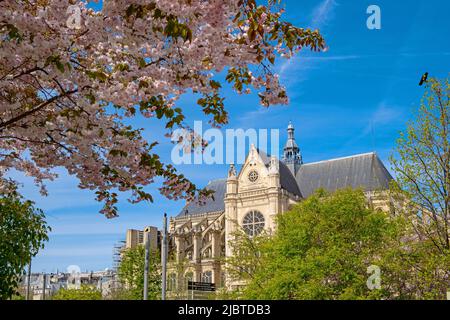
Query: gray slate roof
(219, 187)
(291, 144)
(287, 180)
(359, 171)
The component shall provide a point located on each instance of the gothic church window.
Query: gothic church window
(207, 277)
(253, 176)
(207, 254)
(172, 283)
(253, 223)
(189, 276)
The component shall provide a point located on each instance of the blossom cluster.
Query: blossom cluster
(66, 93)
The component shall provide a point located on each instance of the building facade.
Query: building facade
(139, 237)
(252, 198)
(44, 286)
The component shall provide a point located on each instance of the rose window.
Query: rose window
(253, 223)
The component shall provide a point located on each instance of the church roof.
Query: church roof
(359, 171)
(217, 204)
(291, 144)
(287, 180)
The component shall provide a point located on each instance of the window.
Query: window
(207, 253)
(253, 176)
(222, 279)
(253, 223)
(172, 282)
(207, 277)
(189, 276)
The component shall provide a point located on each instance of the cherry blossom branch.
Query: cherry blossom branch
(5, 124)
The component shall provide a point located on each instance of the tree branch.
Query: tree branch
(5, 124)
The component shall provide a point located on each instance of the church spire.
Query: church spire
(291, 152)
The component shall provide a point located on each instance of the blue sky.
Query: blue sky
(354, 98)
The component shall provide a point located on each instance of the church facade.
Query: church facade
(252, 198)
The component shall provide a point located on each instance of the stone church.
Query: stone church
(251, 199)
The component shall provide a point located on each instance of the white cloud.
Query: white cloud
(253, 115)
(332, 58)
(323, 13)
(385, 114)
(320, 17)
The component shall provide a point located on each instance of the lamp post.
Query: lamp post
(44, 280)
(147, 262)
(164, 258)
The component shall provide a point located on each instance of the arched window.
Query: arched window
(206, 239)
(172, 282)
(189, 276)
(222, 279)
(207, 277)
(207, 253)
(253, 223)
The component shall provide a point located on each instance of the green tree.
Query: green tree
(83, 293)
(246, 258)
(23, 231)
(131, 275)
(420, 271)
(322, 250)
(421, 162)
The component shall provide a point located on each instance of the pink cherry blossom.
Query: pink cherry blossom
(66, 93)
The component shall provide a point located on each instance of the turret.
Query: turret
(232, 180)
(291, 152)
